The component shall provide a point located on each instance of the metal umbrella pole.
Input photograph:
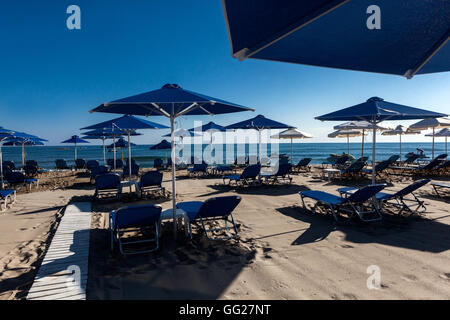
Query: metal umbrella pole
(129, 158)
(172, 152)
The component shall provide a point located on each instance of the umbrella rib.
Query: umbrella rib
(187, 109)
(160, 110)
(434, 49)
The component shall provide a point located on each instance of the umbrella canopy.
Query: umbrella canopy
(19, 142)
(170, 101)
(292, 134)
(394, 37)
(128, 124)
(375, 110)
(182, 133)
(347, 134)
(163, 145)
(359, 125)
(400, 131)
(259, 123)
(75, 140)
(434, 124)
(121, 143)
(442, 133)
(209, 127)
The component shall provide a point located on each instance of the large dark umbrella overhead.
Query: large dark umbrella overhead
(128, 124)
(170, 101)
(375, 110)
(403, 37)
(259, 123)
(75, 140)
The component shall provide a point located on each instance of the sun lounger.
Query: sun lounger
(282, 173)
(96, 171)
(158, 163)
(359, 203)
(134, 170)
(433, 164)
(150, 182)
(379, 167)
(441, 187)
(80, 164)
(247, 177)
(198, 169)
(107, 185)
(355, 169)
(303, 164)
(213, 209)
(31, 163)
(132, 219)
(443, 167)
(61, 164)
(398, 199)
(7, 197)
(336, 162)
(9, 166)
(16, 178)
(410, 159)
(30, 171)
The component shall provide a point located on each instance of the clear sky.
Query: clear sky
(51, 76)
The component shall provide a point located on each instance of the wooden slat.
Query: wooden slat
(69, 250)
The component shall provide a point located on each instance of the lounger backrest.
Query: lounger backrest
(119, 163)
(80, 163)
(107, 181)
(411, 188)
(435, 162)
(365, 193)
(393, 158)
(219, 206)
(98, 170)
(30, 170)
(252, 171)
(137, 216)
(341, 160)
(110, 162)
(60, 163)
(382, 165)
(14, 177)
(412, 158)
(91, 164)
(356, 166)
(151, 178)
(304, 162)
(445, 165)
(283, 169)
(202, 167)
(134, 169)
(157, 163)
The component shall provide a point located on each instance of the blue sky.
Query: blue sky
(51, 76)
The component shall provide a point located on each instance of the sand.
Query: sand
(283, 251)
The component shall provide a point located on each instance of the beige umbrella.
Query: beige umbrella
(399, 130)
(292, 134)
(442, 133)
(360, 125)
(346, 134)
(431, 123)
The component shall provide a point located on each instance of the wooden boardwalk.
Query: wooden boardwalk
(64, 270)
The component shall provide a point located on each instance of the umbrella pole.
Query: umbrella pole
(259, 146)
(174, 201)
(432, 149)
(292, 153)
(348, 145)
(400, 147)
(104, 153)
(1, 166)
(362, 148)
(75, 151)
(374, 138)
(114, 152)
(23, 154)
(129, 158)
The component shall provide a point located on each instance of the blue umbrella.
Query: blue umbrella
(120, 144)
(395, 37)
(108, 133)
(128, 124)
(163, 145)
(75, 140)
(375, 110)
(170, 101)
(209, 127)
(259, 123)
(22, 139)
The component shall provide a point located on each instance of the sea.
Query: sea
(319, 152)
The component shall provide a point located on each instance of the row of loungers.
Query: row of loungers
(147, 219)
(368, 202)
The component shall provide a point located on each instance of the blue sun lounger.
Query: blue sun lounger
(150, 182)
(398, 199)
(213, 209)
(132, 219)
(303, 164)
(281, 174)
(440, 188)
(16, 178)
(107, 185)
(247, 177)
(359, 203)
(7, 197)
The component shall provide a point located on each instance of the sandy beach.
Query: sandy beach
(283, 251)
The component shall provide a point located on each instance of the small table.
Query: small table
(180, 214)
(125, 184)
